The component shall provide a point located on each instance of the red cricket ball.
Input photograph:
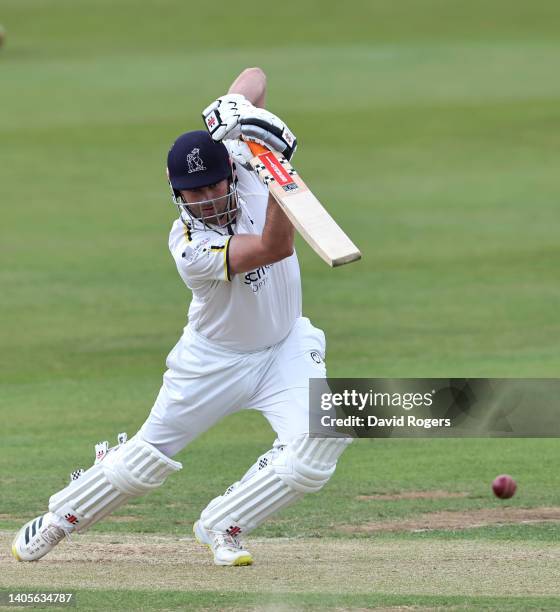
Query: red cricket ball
(504, 486)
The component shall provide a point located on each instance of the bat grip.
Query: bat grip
(256, 148)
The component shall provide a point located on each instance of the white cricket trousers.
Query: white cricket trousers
(205, 382)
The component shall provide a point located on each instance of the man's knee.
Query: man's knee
(277, 479)
(306, 464)
(130, 469)
(169, 449)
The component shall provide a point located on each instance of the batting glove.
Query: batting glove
(239, 152)
(267, 129)
(232, 116)
(222, 117)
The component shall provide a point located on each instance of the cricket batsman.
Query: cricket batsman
(246, 344)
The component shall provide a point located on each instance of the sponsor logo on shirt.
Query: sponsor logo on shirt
(316, 357)
(190, 253)
(258, 278)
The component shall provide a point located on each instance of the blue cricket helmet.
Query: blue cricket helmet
(195, 160)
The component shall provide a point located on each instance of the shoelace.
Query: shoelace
(53, 534)
(227, 540)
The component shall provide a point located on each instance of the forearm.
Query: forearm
(251, 83)
(278, 231)
(249, 252)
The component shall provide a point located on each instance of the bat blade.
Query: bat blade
(304, 210)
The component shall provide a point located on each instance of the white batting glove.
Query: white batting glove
(232, 116)
(223, 115)
(239, 152)
(264, 127)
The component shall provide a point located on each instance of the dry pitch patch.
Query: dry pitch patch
(438, 494)
(430, 567)
(457, 519)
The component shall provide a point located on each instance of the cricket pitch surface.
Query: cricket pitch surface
(364, 565)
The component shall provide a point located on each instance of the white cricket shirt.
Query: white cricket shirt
(251, 310)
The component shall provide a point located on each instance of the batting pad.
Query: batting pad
(128, 470)
(307, 463)
(302, 466)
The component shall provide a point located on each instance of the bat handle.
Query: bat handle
(256, 148)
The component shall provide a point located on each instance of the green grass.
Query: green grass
(428, 127)
(369, 467)
(218, 600)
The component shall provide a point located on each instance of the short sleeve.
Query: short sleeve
(203, 257)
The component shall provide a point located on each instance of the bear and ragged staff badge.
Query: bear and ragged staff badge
(195, 161)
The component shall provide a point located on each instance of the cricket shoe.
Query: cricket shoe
(227, 549)
(38, 537)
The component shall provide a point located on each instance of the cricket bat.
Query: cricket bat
(304, 210)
